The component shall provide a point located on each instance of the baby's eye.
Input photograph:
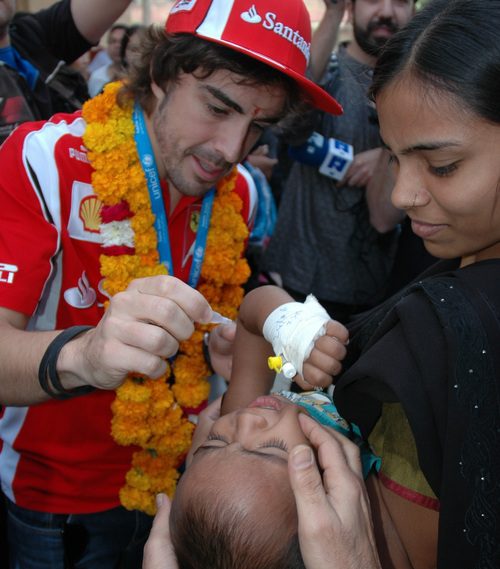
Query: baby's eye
(275, 443)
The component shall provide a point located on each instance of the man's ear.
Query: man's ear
(157, 91)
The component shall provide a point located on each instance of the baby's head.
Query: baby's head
(234, 506)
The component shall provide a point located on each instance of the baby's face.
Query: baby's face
(268, 429)
(240, 471)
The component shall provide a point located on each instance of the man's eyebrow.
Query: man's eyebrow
(218, 94)
(271, 457)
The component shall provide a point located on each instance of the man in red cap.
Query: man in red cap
(98, 208)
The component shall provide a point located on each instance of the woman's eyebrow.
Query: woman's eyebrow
(423, 146)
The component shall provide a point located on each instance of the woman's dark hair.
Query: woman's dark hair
(452, 46)
(165, 57)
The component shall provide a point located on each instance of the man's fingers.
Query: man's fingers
(225, 332)
(187, 298)
(221, 339)
(161, 526)
(336, 452)
(305, 480)
(158, 551)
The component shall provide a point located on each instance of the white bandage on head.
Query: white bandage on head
(293, 328)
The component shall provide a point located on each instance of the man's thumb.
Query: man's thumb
(305, 478)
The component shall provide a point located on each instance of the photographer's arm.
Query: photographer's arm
(325, 37)
(94, 17)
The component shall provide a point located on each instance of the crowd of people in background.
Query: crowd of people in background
(360, 171)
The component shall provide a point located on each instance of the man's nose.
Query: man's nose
(232, 140)
(386, 8)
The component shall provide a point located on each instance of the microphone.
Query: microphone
(332, 156)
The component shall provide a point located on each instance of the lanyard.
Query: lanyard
(148, 164)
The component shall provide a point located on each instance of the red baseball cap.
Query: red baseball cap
(276, 32)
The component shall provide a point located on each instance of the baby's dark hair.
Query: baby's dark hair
(209, 533)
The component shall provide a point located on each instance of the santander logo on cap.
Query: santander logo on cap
(251, 16)
(276, 32)
(270, 23)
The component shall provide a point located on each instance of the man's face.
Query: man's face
(202, 127)
(375, 21)
(114, 44)
(7, 11)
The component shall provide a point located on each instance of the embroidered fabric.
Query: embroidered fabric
(432, 348)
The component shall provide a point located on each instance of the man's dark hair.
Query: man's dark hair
(165, 57)
(213, 534)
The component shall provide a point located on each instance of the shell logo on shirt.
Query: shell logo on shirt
(90, 213)
(85, 214)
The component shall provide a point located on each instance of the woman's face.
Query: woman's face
(447, 163)
(133, 49)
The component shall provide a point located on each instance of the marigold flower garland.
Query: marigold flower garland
(153, 413)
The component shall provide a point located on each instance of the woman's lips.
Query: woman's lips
(425, 230)
(267, 402)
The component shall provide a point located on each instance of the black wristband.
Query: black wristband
(206, 351)
(48, 369)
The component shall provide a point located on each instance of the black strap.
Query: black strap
(48, 371)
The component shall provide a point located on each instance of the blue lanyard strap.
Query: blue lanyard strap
(148, 164)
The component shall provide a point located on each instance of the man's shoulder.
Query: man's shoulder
(34, 139)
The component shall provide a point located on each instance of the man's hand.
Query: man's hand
(140, 330)
(324, 361)
(335, 524)
(220, 346)
(362, 168)
(158, 551)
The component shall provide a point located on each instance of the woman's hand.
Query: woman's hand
(335, 524)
